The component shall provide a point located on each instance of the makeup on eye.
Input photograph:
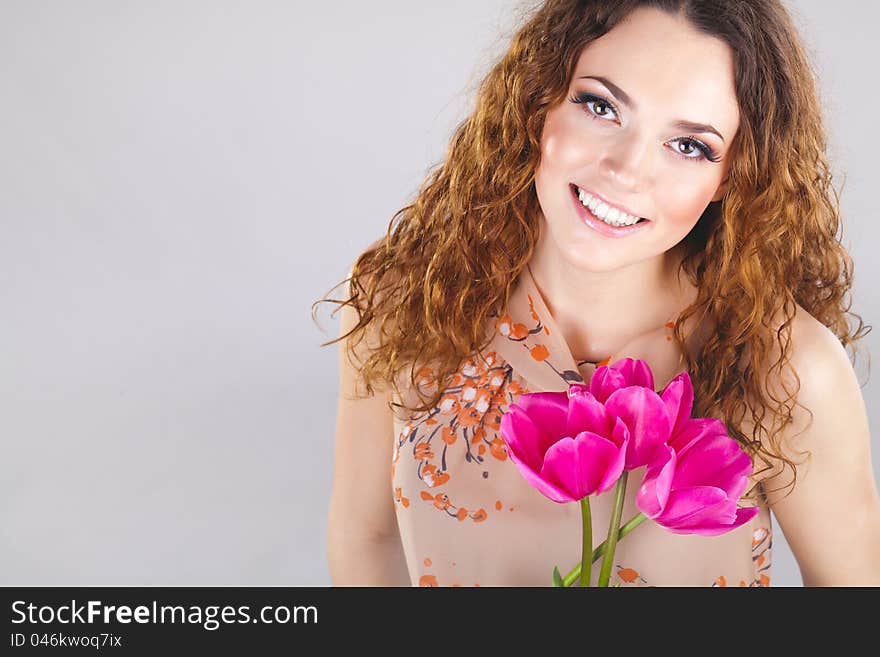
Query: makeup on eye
(585, 99)
(681, 124)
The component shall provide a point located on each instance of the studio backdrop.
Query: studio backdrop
(179, 181)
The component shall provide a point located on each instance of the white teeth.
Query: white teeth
(600, 209)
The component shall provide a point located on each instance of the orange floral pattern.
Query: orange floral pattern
(529, 337)
(467, 418)
(762, 544)
(459, 439)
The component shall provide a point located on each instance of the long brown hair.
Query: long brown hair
(450, 259)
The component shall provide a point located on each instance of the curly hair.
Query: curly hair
(450, 259)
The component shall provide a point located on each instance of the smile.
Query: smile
(604, 219)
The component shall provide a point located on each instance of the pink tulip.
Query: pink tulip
(693, 482)
(626, 389)
(565, 446)
(619, 374)
(645, 416)
(678, 395)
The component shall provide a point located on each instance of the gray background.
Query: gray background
(178, 182)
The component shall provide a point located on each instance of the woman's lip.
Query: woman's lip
(600, 226)
(609, 203)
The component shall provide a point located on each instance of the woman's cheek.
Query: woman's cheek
(681, 206)
(567, 153)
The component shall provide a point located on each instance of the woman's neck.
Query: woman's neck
(598, 312)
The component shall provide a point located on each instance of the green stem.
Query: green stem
(613, 528)
(587, 553)
(637, 520)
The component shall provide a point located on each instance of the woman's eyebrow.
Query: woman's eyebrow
(690, 126)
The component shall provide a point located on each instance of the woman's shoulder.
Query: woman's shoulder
(828, 439)
(819, 384)
(814, 352)
(826, 378)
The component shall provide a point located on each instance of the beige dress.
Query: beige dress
(466, 515)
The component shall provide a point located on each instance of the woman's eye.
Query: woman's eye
(601, 107)
(695, 150)
(691, 147)
(688, 149)
(597, 107)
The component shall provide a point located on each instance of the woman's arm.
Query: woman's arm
(363, 541)
(831, 520)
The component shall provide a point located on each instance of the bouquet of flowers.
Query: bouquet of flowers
(574, 444)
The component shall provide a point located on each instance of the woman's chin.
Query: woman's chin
(591, 259)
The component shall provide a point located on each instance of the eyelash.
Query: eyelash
(708, 152)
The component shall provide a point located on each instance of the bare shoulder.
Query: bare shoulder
(815, 354)
(369, 339)
(827, 382)
(820, 378)
(833, 508)
(815, 349)
(361, 507)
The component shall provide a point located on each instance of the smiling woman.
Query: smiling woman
(620, 141)
(642, 179)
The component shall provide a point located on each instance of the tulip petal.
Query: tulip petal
(549, 412)
(722, 512)
(605, 381)
(692, 431)
(621, 438)
(716, 460)
(738, 487)
(546, 488)
(684, 504)
(521, 436)
(559, 467)
(653, 494)
(743, 515)
(577, 388)
(646, 417)
(525, 451)
(635, 372)
(678, 395)
(577, 465)
(585, 413)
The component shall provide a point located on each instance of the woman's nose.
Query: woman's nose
(627, 161)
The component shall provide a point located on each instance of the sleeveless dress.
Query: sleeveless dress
(466, 515)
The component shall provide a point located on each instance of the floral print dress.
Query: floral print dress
(466, 515)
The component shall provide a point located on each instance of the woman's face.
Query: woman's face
(623, 143)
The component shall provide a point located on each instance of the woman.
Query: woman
(642, 179)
